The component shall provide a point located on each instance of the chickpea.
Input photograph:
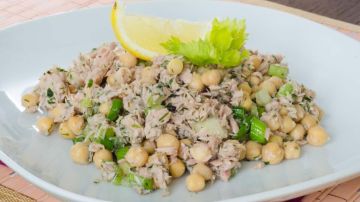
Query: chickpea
(287, 124)
(317, 136)
(127, 59)
(177, 169)
(175, 66)
(30, 100)
(283, 111)
(273, 123)
(101, 156)
(200, 152)
(256, 61)
(170, 132)
(308, 121)
(76, 124)
(272, 153)
(242, 149)
(254, 80)
(196, 83)
(298, 132)
(269, 87)
(292, 150)
(136, 156)
(166, 140)
(79, 153)
(65, 132)
(253, 150)
(45, 125)
(57, 111)
(278, 82)
(111, 80)
(300, 112)
(277, 139)
(104, 108)
(195, 182)
(211, 77)
(148, 76)
(246, 103)
(245, 87)
(203, 170)
(149, 146)
(266, 77)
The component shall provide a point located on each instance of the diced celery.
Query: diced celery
(278, 70)
(212, 126)
(262, 97)
(285, 90)
(121, 152)
(238, 112)
(258, 130)
(125, 167)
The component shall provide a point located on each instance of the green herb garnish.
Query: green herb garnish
(223, 45)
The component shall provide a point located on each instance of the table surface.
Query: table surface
(345, 10)
(15, 188)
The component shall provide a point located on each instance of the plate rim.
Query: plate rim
(287, 192)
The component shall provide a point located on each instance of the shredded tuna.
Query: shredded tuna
(155, 102)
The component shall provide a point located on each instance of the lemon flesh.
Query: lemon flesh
(142, 35)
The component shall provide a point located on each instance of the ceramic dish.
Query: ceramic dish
(319, 57)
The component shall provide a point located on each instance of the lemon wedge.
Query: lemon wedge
(142, 35)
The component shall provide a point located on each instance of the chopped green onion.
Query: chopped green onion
(121, 152)
(262, 97)
(109, 132)
(108, 143)
(138, 181)
(243, 133)
(78, 139)
(147, 109)
(119, 175)
(278, 70)
(152, 103)
(258, 130)
(238, 112)
(116, 106)
(285, 90)
(261, 110)
(90, 83)
(86, 103)
(148, 183)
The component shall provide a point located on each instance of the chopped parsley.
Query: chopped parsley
(90, 83)
(50, 95)
(49, 92)
(60, 69)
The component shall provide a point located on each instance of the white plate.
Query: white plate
(323, 59)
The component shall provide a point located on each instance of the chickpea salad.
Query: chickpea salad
(199, 110)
